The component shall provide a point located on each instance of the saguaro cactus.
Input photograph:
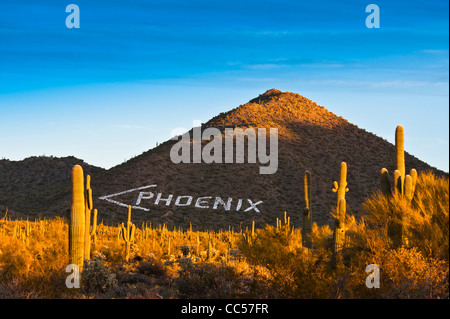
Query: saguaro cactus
(77, 219)
(253, 229)
(307, 214)
(404, 186)
(400, 153)
(128, 235)
(341, 187)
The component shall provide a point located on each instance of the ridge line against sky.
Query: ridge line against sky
(136, 70)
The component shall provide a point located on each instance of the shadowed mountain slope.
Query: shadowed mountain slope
(39, 186)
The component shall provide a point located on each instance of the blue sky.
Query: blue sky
(136, 70)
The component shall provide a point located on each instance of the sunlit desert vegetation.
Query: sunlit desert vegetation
(249, 263)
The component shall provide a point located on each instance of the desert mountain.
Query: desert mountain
(218, 195)
(38, 186)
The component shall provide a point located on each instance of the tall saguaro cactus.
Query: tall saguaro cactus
(400, 155)
(307, 214)
(128, 235)
(404, 186)
(77, 219)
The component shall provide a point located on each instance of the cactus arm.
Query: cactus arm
(94, 223)
(413, 174)
(87, 239)
(133, 231)
(335, 187)
(385, 184)
(398, 184)
(409, 191)
(93, 231)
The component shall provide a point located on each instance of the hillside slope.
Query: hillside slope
(38, 186)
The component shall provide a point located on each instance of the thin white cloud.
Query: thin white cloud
(129, 127)
(434, 51)
(405, 84)
(265, 66)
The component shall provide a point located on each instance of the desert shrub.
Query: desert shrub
(12, 289)
(292, 273)
(274, 248)
(185, 264)
(406, 273)
(205, 280)
(97, 278)
(152, 267)
(15, 262)
(113, 252)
